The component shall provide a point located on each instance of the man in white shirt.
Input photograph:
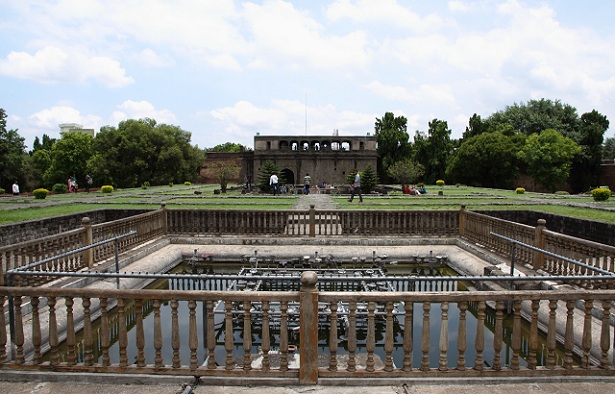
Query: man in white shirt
(273, 182)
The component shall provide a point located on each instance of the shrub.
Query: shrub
(170, 184)
(106, 189)
(562, 193)
(520, 190)
(187, 183)
(40, 194)
(601, 194)
(440, 182)
(145, 185)
(2, 191)
(59, 188)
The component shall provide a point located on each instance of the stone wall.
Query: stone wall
(33, 229)
(591, 230)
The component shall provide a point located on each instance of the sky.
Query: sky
(226, 70)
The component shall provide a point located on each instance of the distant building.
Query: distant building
(328, 159)
(74, 128)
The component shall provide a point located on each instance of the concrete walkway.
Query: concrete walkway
(320, 201)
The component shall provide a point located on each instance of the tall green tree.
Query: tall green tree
(608, 149)
(228, 147)
(393, 142)
(549, 156)
(69, 156)
(486, 160)
(262, 178)
(538, 115)
(406, 172)
(586, 165)
(224, 171)
(140, 151)
(434, 150)
(12, 151)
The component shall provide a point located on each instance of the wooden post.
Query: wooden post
(462, 220)
(312, 222)
(88, 255)
(308, 331)
(163, 206)
(539, 242)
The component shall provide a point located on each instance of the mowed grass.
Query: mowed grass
(18, 209)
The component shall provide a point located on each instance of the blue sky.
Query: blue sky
(226, 70)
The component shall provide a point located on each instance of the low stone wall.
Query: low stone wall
(33, 229)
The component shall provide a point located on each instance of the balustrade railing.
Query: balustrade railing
(250, 334)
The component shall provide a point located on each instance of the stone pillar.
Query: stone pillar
(539, 242)
(312, 222)
(308, 329)
(88, 255)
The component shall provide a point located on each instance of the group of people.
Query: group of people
(414, 191)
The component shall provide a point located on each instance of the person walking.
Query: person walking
(88, 183)
(356, 188)
(273, 182)
(15, 188)
(306, 183)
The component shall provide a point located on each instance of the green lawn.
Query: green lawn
(183, 197)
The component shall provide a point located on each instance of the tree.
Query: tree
(12, 151)
(223, 171)
(393, 141)
(140, 151)
(434, 150)
(406, 172)
(228, 147)
(262, 179)
(475, 127)
(369, 179)
(608, 149)
(586, 166)
(548, 156)
(487, 160)
(539, 115)
(69, 156)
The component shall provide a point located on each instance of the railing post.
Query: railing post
(539, 242)
(163, 206)
(312, 222)
(88, 255)
(308, 329)
(462, 220)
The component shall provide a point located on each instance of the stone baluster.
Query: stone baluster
(105, 340)
(265, 344)
(586, 342)
(228, 335)
(175, 338)
(389, 338)
(443, 362)
(308, 328)
(71, 357)
(284, 336)
(87, 332)
(408, 338)
(122, 334)
(3, 333)
(352, 337)
(211, 335)
(333, 337)
(36, 330)
(425, 337)
(533, 340)
(551, 335)
(139, 334)
(516, 335)
(53, 332)
(19, 334)
(247, 336)
(605, 334)
(193, 339)
(569, 335)
(461, 336)
(480, 336)
(498, 336)
(370, 345)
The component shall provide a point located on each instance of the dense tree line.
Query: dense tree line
(545, 139)
(134, 152)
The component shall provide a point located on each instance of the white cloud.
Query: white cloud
(54, 65)
(48, 119)
(130, 109)
(150, 58)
